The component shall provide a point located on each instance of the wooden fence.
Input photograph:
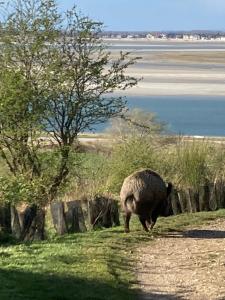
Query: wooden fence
(82, 215)
(205, 198)
(67, 217)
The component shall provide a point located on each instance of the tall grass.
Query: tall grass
(192, 163)
(184, 163)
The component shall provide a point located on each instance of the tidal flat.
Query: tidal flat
(176, 68)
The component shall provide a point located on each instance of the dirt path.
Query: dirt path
(186, 265)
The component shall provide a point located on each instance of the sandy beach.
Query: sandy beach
(183, 80)
(185, 72)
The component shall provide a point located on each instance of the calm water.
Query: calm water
(192, 115)
(189, 115)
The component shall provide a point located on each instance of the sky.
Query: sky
(150, 15)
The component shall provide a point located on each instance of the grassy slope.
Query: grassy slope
(95, 265)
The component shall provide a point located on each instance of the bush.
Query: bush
(184, 163)
(88, 178)
(128, 156)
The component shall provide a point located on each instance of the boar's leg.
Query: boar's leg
(152, 225)
(143, 222)
(155, 215)
(126, 221)
(148, 222)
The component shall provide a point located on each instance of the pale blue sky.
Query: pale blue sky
(154, 14)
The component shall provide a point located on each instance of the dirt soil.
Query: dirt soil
(184, 265)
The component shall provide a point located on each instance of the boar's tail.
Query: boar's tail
(169, 188)
(130, 203)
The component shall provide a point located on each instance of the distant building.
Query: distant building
(179, 35)
(163, 36)
(150, 36)
(191, 37)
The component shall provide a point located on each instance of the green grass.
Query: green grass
(93, 265)
(182, 221)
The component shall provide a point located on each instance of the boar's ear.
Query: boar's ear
(169, 188)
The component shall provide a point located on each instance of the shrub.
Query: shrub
(128, 156)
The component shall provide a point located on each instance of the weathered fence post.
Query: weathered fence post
(58, 217)
(184, 203)
(212, 197)
(103, 212)
(204, 195)
(15, 223)
(27, 222)
(176, 207)
(5, 218)
(223, 201)
(40, 224)
(75, 217)
(219, 193)
(115, 216)
(194, 200)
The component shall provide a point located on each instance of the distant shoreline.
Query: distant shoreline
(162, 40)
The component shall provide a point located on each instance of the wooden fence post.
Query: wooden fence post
(182, 195)
(58, 217)
(5, 218)
(212, 197)
(176, 207)
(194, 200)
(204, 196)
(219, 193)
(15, 223)
(75, 217)
(103, 212)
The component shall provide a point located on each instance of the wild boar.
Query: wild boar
(145, 193)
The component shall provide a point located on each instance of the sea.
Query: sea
(183, 115)
(186, 115)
